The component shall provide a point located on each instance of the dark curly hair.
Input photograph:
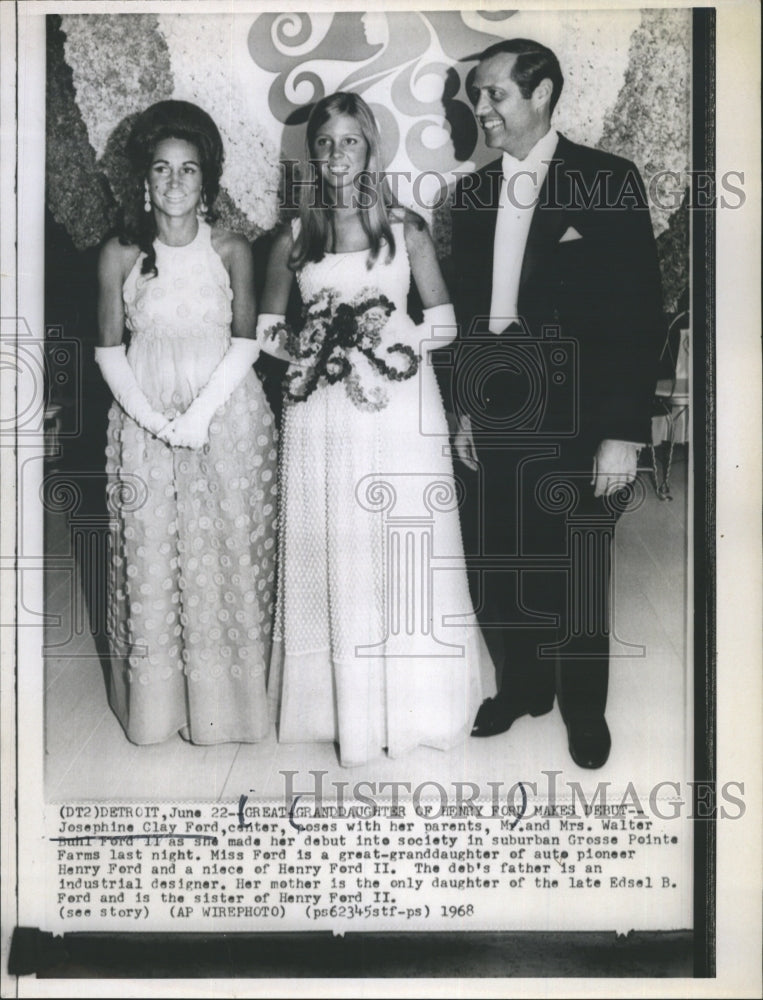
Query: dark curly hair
(168, 120)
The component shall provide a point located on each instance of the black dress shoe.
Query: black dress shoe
(494, 717)
(589, 741)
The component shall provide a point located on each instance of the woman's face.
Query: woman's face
(339, 150)
(174, 178)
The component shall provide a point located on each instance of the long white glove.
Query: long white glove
(440, 322)
(191, 428)
(120, 378)
(271, 336)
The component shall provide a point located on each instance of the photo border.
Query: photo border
(30, 943)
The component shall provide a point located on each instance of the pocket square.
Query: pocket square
(570, 234)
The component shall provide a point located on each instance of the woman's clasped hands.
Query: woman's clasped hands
(191, 428)
(187, 430)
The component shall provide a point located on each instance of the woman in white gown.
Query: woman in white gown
(191, 456)
(375, 643)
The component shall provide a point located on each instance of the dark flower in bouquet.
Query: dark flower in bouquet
(341, 342)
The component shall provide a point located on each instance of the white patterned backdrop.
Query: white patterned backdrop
(627, 89)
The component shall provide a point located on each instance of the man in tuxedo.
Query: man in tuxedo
(557, 293)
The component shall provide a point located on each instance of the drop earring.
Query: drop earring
(146, 200)
(201, 208)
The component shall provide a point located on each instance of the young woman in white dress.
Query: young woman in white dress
(375, 645)
(191, 457)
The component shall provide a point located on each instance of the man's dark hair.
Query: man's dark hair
(534, 63)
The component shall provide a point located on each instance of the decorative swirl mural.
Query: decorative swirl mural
(405, 74)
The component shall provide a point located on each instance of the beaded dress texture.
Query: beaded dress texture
(376, 645)
(193, 541)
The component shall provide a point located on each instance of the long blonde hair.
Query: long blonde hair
(316, 224)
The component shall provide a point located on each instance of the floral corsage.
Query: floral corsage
(340, 341)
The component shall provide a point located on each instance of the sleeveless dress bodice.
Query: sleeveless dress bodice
(179, 320)
(348, 275)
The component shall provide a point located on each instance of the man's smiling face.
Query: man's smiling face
(509, 121)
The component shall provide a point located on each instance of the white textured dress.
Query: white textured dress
(191, 586)
(375, 645)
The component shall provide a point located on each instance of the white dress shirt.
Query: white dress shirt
(522, 181)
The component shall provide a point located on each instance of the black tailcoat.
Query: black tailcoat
(602, 289)
(589, 283)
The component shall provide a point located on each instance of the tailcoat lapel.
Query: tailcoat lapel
(547, 223)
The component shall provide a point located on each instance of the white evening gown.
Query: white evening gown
(375, 645)
(191, 584)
